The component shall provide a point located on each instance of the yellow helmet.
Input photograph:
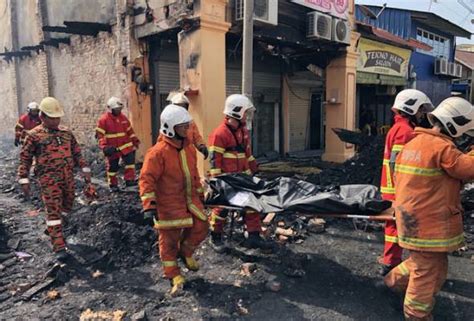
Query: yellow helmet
(51, 107)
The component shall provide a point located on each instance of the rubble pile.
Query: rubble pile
(112, 230)
(364, 168)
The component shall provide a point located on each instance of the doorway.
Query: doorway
(316, 128)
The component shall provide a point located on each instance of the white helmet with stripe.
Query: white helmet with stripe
(32, 106)
(410, 101)
(179, 98)
(114, 102)
(236, 105)
(171, 116)
(456, 115)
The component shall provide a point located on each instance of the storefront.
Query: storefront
(382, 71)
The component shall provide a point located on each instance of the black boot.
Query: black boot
(255, 241)
(61, 256)
(217, 243)
(385, 269)
(131, 183)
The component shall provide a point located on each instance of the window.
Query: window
(440, 45)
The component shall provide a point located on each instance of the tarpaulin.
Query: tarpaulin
(289, 194)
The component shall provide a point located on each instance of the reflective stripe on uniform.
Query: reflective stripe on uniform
(215, 171)
(53, 223)
(387, 190)
(132, 166)
(20, 125)
(248, 172)
(100, 130)
(403, 269)
(129, 127)
(147, 196)
(125, 146)
(390, 238)
(416, 305)
(418, 242)
(419, 171)
(193, 208)
(169, 263)
(397, 148)
(22, 181)
(251, 158)
(388, 174)
(200, 190)
(234, 156)
(116, 135)
(188, 221)
(217, 149)
(133, 136)
(110, 174)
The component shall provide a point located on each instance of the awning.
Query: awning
(390, 37)
(376, 79)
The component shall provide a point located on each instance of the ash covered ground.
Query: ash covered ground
(115, 270)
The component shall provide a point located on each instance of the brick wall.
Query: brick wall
(8, 108)
(83, 77)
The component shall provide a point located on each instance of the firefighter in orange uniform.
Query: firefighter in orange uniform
(26, 122)
(410, 108)
(56, 152)
(117, 140)
(195, 137)
(172, 194)
(230, 152)
(429, 175)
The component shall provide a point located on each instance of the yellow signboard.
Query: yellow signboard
(379, 58)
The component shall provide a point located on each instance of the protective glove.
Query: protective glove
(110, 150)
(17, 142)
(204, 151)
(149, 217)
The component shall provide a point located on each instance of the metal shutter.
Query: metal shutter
(168, 76)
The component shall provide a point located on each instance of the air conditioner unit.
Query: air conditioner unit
(441, 66)
(341, 31)
(458, 73)
(318, 25)
(451, 69)
(263, 10)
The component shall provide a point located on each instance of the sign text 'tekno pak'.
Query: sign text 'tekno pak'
(379, 58)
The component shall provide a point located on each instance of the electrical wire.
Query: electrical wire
(293, 92)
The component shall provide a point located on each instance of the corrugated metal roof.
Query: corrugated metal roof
(466, 58)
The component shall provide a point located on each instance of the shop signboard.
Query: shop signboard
(336, 8)
(379, 58)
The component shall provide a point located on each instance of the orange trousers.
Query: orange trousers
(420, 277)
(218, 216)
(180, 242)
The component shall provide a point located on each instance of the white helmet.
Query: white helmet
(457, 116)
(236, 105)
(179, 98)
(32, 106)
(114, 102)
(171, 116)
(410, 100)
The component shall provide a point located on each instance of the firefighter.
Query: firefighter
(195, 137)
(117, 140)
(56, 152)
(27, 122)
(410, 108)
(172, 195)
(230, 152)
(429, 172)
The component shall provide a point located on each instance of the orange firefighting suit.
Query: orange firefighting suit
(24, 124)
(400, 134)
(116, 131)
(169, 183)
(428, 173)
(56, 152)
(230, 152)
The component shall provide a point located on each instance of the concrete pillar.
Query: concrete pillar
(203, 67)
(341, 102)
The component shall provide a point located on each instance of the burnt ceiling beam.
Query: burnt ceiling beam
(54, 42)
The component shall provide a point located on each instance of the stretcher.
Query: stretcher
(387, 215)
